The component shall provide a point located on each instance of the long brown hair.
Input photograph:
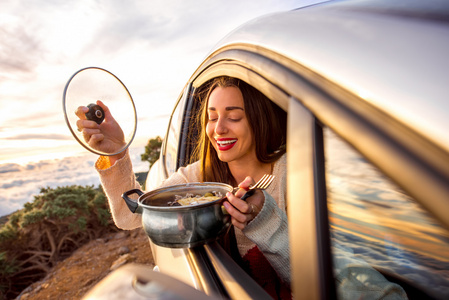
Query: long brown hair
(264, 122)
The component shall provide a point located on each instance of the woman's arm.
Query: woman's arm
(269, 231)
(117, 179)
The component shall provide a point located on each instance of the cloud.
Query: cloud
(17, 183)
(39, 137)
(20, 50)
(153, 46)
(20, 183)
(11, 167)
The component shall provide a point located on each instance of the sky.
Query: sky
(152, 46)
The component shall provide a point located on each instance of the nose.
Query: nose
(220, 127)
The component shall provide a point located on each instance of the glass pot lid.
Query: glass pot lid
(85, 88)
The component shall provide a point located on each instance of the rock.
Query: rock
(101, 240)
(120, 262)
(23, 296)
(120, 235)
(137, 232)
(123, 250)
(89, 282)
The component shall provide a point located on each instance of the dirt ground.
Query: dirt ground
(75, 276)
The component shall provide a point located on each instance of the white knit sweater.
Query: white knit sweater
(269, 230)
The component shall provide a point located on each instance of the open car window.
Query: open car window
(193, 108)
(382, 241)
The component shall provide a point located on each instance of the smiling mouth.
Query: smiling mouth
(225, 144)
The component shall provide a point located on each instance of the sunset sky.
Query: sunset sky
(153, 46)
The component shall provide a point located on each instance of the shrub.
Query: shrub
(47, 230)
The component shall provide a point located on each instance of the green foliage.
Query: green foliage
(152, 150)
(14, 219)
(59, 204)
(104, 216)
(99, 200)
(8, 232)
(32, 217)
(77, 206)
(79, 225)
(7, 268)
(102, 211)
(59, 220)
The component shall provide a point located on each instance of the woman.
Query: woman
(240, 141)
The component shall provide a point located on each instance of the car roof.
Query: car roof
(392, 54)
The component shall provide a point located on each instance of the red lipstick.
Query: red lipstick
(225, 144)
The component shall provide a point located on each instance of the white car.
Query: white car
(364, 88)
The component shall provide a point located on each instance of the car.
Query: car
(363, 88)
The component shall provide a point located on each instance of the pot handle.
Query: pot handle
(132, 205)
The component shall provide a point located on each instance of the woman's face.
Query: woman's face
(227, 127)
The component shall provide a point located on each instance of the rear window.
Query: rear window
(383, 242)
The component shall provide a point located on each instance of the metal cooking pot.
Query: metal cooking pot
(181, 226)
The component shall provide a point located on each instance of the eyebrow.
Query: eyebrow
(228, 108)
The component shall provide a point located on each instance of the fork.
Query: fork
(262, 184)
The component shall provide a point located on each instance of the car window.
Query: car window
(172, 140)
(383, 242)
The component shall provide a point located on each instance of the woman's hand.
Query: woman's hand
(107, 137)
(241, 211)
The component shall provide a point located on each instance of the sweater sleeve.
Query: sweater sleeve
(116, 180)
(269, 231)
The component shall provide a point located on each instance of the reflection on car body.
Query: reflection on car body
(375, 223)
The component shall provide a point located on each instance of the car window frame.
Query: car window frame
(180, 107)
(306, 194)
